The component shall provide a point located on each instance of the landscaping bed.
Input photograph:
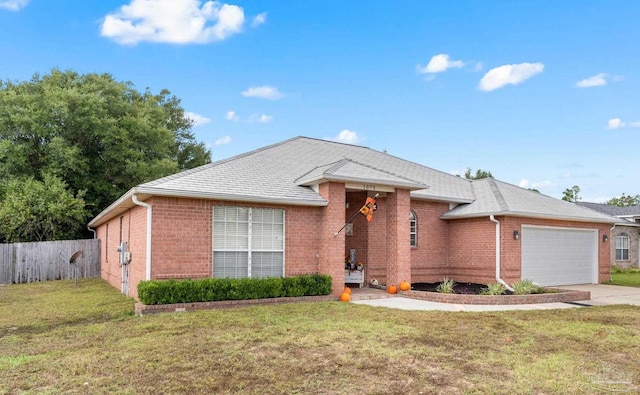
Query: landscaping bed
(143, 309)
(469, 293)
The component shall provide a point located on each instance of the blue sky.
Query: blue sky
(544, 94)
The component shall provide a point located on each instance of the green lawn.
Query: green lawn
(628, 277)
(59, 338)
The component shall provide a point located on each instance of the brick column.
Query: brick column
(398, 240)
(332, 245)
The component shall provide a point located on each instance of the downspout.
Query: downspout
(610, 241)
(135, 200)
(498, 279)
(92, 231)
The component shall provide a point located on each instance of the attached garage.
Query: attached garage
(559, 256)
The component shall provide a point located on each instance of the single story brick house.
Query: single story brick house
(625, 234)
(279, 211)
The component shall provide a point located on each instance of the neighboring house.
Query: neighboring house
(276, 211)
(625, 235)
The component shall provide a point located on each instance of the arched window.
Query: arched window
(413, 229)
(622, 247)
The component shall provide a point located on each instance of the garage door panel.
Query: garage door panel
(559, 256)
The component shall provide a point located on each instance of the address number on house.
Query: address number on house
(370, 187)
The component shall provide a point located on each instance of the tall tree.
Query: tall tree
(624, 201)
(571, 194)
(94, 133)
(479, 174)
(32, 210)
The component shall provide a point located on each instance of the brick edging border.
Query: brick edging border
(560, 296)
(144, 309)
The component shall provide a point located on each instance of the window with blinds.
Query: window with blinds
(248, 242)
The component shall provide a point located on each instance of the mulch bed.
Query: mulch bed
(458, 288)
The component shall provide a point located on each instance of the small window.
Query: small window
(622, 247)
(413, 229)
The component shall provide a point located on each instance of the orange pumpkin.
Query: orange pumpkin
(392, 289)
(405, 286)
(347, 290)
(345, 297)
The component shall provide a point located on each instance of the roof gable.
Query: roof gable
(347, 170)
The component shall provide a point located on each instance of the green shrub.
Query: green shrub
(216, 289)
(524, 287)
(493, 289)
(446, 286)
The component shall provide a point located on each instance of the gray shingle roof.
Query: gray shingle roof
(350, 171)
(500, 198)
(627, 215)
(283, 173)
(612, 210)
(280, 172)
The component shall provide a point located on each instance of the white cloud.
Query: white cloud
(197, 118)
(263, 92)
(259, 19)
(232, 116)
(222, 141)
(617, 123)
(596, 80)
(347, 136)
(13, 5)
(512, 74)
(264, 118)
(173, 21)
(255, 118)
(439, 63)
(524, 183)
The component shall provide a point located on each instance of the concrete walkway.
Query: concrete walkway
(601, 294)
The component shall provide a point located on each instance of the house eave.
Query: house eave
(125, 201)
(336, 178)
(528, 215)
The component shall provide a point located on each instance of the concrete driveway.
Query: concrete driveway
(601, 295)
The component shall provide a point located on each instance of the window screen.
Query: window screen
(248, 242)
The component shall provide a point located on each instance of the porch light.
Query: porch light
(516, 235)
(605, 238)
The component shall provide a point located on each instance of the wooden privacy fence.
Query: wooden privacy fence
(48, 260)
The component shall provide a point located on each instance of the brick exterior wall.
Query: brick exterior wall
(332, 245)
(398, 243)
(129, 227)
(430, 259)
(472, 248)
(463, 250)
(634, 242)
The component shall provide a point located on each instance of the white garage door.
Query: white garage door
(559, 256)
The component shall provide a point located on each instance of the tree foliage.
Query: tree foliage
(571, 194)
(32, 210)
(94, 133)
(479, 174)
(624, 201)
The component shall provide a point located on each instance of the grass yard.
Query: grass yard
(59, 338)
(627, 277)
